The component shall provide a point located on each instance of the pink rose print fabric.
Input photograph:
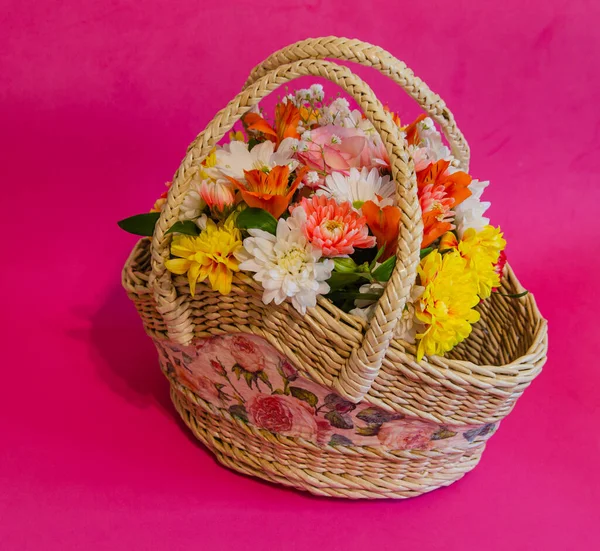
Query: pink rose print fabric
(246, 376)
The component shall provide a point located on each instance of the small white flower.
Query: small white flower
(262, 157)
(335, 139)
(430, 147)
(307, 136)
(316, 92)
(286, 265)
(312, 177)
(469, 214)
(359, 187)
(192, 205)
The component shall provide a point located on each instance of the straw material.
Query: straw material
(477, 383)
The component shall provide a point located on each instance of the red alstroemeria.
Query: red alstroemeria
(385, 225)
(271, 190)
(287, 118)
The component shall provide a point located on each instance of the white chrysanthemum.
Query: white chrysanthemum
(430, 147)
(192, 205)
(359, 187)
(262, 157)
(286, 265)
(469, 214)
(408, 325)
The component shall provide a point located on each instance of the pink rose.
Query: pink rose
(247, 355)
(353, 150)
(288, 370)
(323, 155)
(217, 366)
(283, 415)
(406, 435)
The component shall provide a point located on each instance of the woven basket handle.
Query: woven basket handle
(368, 55)
(357, 375)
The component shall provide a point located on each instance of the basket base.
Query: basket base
(345, 471)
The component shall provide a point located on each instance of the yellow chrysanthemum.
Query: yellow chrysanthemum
(209, 255)
(481, 250)
(446, 305)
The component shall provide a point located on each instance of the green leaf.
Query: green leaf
(338, 280)
(256, 218)
(518, 295)
(371, 430)
(334, 401)
(377, 257)
(425, 252)
(339, 420)
(304, 395)
(140, 224)
(252, 142)
(340, 440)
(442, 433)
(187, 228)
(338, 295)
(239, 411)
(384, 272)
(376, 416)
(479, 432)
(344, 265)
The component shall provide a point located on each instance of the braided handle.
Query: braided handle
(368, 55)
(357, 375)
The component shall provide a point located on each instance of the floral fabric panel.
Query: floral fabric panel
(245, 375)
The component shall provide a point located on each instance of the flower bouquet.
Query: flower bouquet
(329, 302)
(304, 203)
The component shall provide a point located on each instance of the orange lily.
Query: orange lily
(385, 225)
(269, 190)
(287, 118)
(395, 116)
(449, 190)
(411, 130)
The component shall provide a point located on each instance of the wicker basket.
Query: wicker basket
(326, 402)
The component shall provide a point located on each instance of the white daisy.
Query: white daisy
(359, 187)
(262, 157)
(286, 265)
(469, 214)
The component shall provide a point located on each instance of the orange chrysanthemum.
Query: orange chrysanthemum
(385, 225)
(271, 190)
(439, 192)
(287, 118)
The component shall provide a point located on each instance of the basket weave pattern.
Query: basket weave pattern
(477, 383)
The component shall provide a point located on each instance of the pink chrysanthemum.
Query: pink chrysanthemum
(335, 228)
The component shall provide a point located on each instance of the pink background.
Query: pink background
(98, 101)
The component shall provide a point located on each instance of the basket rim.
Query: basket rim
(537, 349)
